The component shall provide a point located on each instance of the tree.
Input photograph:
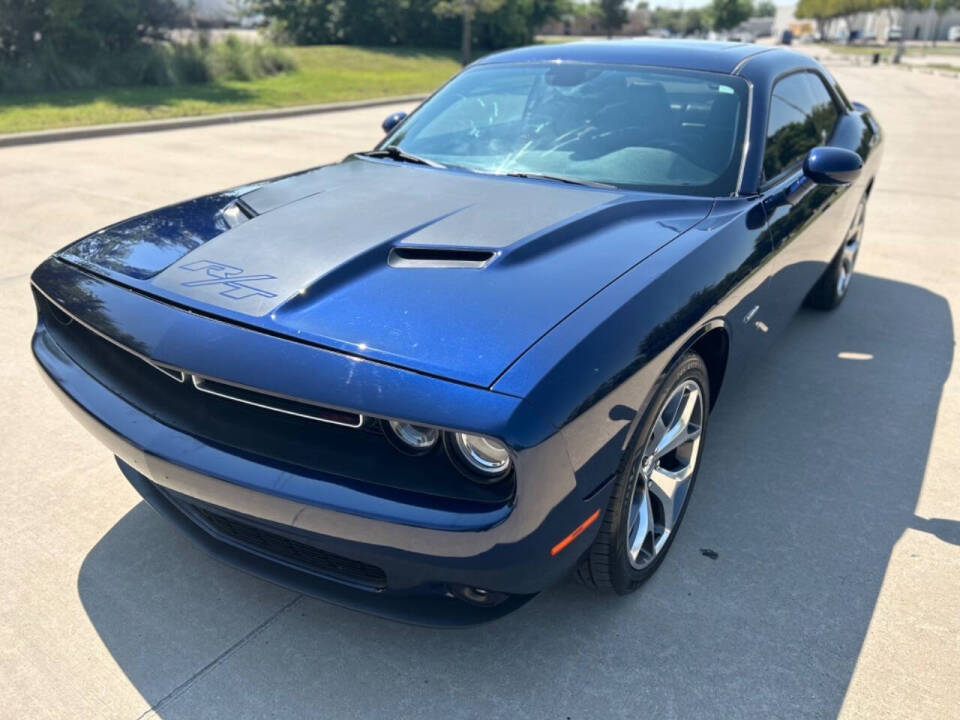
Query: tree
(304, 22)
(80, 30)
(20, 21)
(818, 10)
(612, 15)
(765, 8)
(490, 24)
(727, 14)
(681, 22)
(467, 10)
(694, 21)
(516, 22)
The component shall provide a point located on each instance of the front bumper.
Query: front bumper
(434, 609)
(422, 550)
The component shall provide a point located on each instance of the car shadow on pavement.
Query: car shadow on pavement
(811, 475)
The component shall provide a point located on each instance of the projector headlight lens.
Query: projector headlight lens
(486, 457)
(413, 439)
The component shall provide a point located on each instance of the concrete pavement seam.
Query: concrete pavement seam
(186, 684)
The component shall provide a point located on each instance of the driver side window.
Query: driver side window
(801, 117)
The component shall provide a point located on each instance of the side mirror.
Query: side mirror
(824, 166)
(832, 166)
(392, 121)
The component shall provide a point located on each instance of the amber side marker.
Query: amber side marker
(576, 533)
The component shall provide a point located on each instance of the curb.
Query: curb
(94, 131)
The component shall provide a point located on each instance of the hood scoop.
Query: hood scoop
(237, 213)
(434, 257)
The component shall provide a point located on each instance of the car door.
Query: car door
(806, 234)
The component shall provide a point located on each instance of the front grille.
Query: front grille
(294, 552)
(291, 439)
(277, 403)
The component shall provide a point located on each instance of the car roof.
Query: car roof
(686, 54)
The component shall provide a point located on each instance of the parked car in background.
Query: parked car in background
(895, 34)
(434, 378)
(953, 34)
(742, 36)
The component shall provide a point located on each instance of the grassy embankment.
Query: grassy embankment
(324, 74)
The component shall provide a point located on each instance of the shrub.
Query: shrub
(237, 60)
(81, 30)
(147, 63)
(63, 44)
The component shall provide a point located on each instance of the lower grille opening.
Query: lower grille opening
(294, 552)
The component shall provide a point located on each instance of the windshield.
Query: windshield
(630, 127)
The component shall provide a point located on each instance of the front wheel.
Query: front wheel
(653, 484)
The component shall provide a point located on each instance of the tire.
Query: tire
(610, 564)
(832, 287)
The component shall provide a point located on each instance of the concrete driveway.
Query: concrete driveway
(829, 492)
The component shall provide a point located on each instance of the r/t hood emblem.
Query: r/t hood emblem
(237, 284)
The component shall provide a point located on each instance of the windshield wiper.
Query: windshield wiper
(395, 153)
(560, 178)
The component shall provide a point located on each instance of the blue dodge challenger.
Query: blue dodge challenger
(434, 378)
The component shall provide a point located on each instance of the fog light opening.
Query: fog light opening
(477, 596)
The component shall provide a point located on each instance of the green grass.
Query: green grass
(884, 50)
(324, 74)
(943, 48)
(858, 49)
(558, 39)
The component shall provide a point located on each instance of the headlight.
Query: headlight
(486, 459)
(412, 439)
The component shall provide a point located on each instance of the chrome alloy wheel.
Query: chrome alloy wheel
(851, 246)
(662, 472)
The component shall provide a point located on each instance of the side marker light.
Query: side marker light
(576, 533)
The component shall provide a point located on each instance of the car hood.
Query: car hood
(444, 272)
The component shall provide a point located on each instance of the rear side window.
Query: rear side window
(802, 116)
(824, 113)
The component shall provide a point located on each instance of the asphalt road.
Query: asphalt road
(829, 493)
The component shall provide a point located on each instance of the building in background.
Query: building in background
(758, 27)
(211, 13)
(876, 24)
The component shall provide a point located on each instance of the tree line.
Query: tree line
(719, 15)
(482, 24)
(475, 24)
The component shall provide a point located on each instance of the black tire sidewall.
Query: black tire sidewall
(623, 576)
